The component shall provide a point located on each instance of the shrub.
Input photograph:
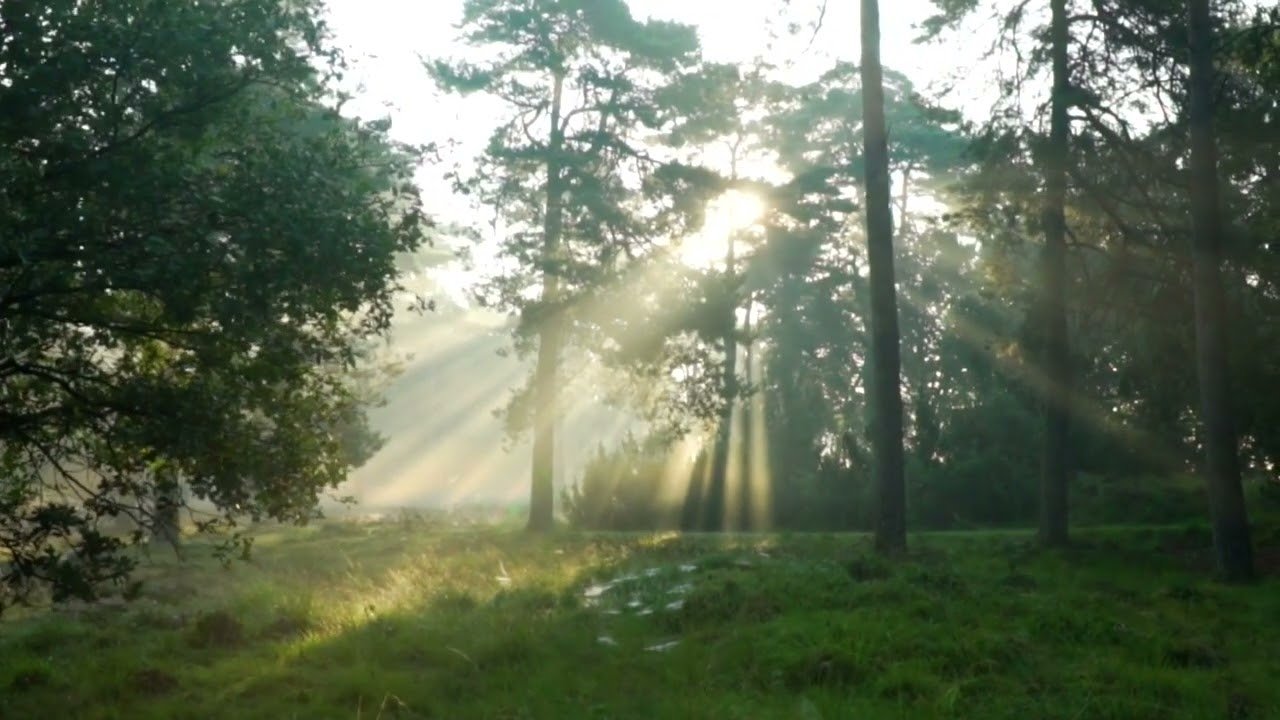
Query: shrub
(620, 488)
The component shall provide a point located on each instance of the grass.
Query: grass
(403, 620)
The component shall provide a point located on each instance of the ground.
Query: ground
(405, 619)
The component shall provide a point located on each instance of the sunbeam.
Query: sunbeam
(760, 476)
(730, 213)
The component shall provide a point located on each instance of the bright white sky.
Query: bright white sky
(385, 38)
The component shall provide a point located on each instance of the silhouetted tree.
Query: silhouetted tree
(577, 78)
(1055, 358)
(1222, 465)
(885, 391)
(196, 244)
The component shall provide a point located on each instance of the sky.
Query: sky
(385, 38)
(445, 442)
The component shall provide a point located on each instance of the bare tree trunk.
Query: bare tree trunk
(550, 334)
(746, 463)
(1055, 352)
(167, 504)
(714, 511)
(1231, 537)
(886, 394)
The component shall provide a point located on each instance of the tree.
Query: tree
(1051, 375)
(559, 172)
(716, 510)
(816, 297)
(167, 507)
(885, 391)
(1222, 465)
(195, 244)
(1055, 352)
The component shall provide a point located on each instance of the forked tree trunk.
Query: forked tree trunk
(1056, 387)
(1231, 538)
(886, 394)
(546, 387)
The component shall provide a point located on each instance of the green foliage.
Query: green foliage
(1138, 500)
(984, 476)
(196, 248)
(638, 160)
(568, 175)
(969, 379)
(621, 489)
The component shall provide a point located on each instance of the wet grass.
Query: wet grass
(400, 620)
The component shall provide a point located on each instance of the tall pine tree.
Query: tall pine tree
(580, 79)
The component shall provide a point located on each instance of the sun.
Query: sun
(737, 209)
(728, 214)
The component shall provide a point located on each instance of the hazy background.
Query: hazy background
(445, 444)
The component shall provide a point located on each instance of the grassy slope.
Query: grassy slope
(398, 620)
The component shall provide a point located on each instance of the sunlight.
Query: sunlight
(678, 472)
(759, 480)
(1084, 410)
(732, 212)
(735, 481)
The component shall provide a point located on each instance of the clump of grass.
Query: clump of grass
(217, 629)
(869, 568)
(30, 674)
(152, 682)
(1194, 655)
(454, 602)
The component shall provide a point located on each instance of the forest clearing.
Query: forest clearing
(542, 359)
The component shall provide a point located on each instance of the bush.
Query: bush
(620, 489)
(1142, 499)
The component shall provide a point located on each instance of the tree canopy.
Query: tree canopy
(197, 248)
(829, 300)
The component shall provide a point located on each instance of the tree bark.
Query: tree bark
(715, 509)
(1231, 536)
(886, 395)
(168, 502)
(550, 333)
(1055, 351)
(747, 446)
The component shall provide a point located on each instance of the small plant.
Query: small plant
(151, 681)
(30, 675)
(868, 568)
(1194, 656)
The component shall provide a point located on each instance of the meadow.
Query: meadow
(406, 618)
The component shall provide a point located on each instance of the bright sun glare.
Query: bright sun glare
(728, 214)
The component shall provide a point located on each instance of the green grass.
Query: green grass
(401, 620)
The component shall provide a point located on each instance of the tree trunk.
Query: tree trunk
(550, 331)
(1222, 467)
(168, 502)
(746, 462)
(714, 511)
(1054, 352)
(886, 395)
